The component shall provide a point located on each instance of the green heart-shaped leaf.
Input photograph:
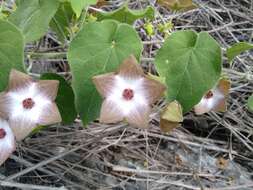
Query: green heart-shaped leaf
(126, 15)
(191, 64)
(32, 17)
(237, 49)
(11, 51)
(250, 102)
(61, 21)
(98, 48)
(65, 99)
(78, 5)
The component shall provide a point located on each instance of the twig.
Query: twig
(29, 186)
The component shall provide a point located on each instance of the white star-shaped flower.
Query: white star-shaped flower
(7, 141)
(214, 99)
(128, 94)
(28, 103)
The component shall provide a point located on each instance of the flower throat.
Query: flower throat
(128, 94)
(28, 103)
(2, 133)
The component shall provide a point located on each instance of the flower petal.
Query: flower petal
(18, 80)
(104, 83)
(21, 127)
(217, 102)
(154, 89)
(110, 112)
(130, 68)
(7, 143)
(48, 88)
(221, 106)
(139, 116)
(4, 104)
(202, 107)
(50, 115)
(224, 87)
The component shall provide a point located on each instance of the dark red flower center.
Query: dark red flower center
(128, 94)
(28, 103)
(209, 94)
(2, 133)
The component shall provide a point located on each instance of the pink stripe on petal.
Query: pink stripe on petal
(50, 115)
(21, 127)
(104, 83)
(4, 105)
(154, 90)
(214, 103)
(18, 80)
(201, 108)
(49, 88)
(221, 106)
(110, 112)
(139, 116)
(130, 68)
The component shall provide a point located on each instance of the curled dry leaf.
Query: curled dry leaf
(178, 5)
(27, 103)
(215, 99)
(171, 117)
(128, 94)
(7, 141)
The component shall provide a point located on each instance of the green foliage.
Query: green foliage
(149, 28)
(238, 48)
(65, 99)
(250, 102)
(166, 28)
(4, 11)
(32, 17)
(37, 129)
(61, 21)
(78, 5)
(11, 51)
(125, 15)
(98, 48)
(178, 5)
(191, 64)
(188, 63)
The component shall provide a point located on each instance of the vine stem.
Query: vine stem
(46, 55)
(29, 186)
(63, 55)
(59, 55)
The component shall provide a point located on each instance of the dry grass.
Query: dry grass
(214, 151)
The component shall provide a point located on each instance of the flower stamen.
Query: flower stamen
(209, 94)
(2, 133)
(128, 94)
(28, 103)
